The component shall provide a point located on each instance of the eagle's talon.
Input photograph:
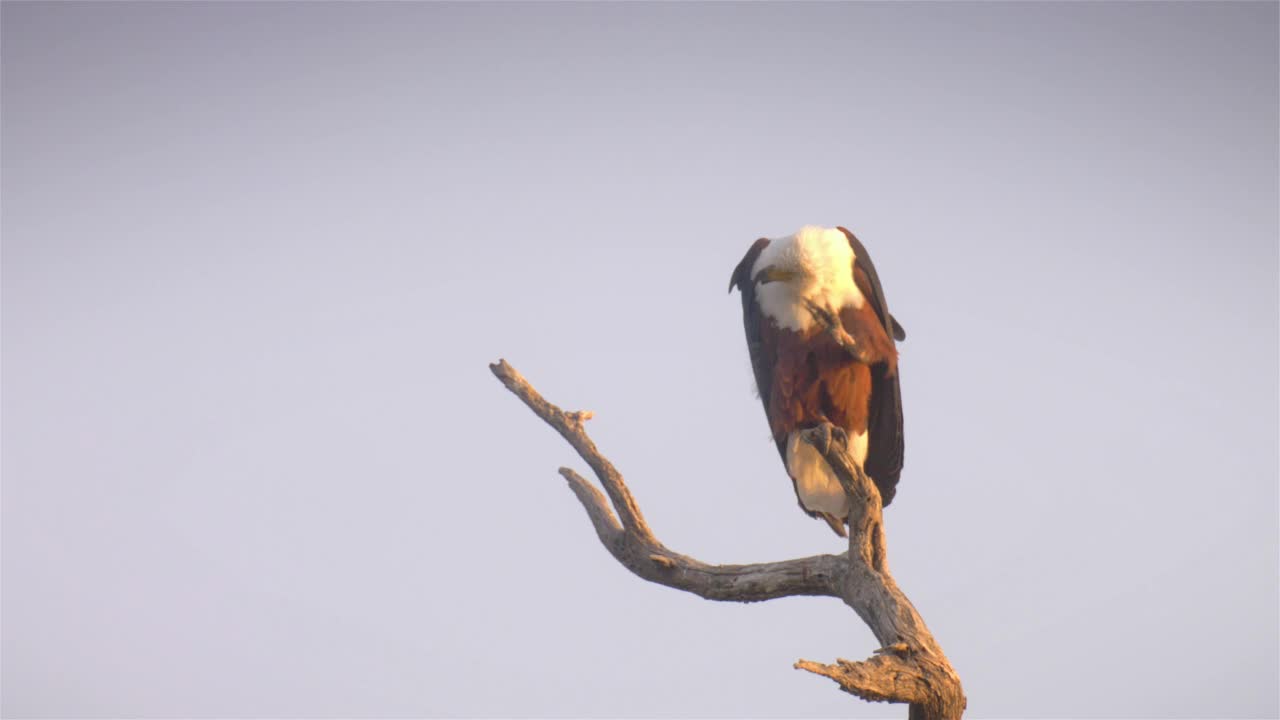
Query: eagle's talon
(839, 434)
(821, 438)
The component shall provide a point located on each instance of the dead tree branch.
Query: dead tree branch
(909, 667)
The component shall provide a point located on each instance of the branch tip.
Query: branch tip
(813, 667)
(500, 368)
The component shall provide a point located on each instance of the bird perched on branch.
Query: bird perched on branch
(822, 347)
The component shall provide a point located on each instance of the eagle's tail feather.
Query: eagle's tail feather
(837, 524)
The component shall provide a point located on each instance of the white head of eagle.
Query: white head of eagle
(805, 378)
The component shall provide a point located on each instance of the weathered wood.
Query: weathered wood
(909, 667)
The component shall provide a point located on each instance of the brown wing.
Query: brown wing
(884, 423)
(763, 353)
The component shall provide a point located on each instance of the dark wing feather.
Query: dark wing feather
(762, 359)
(884, 424)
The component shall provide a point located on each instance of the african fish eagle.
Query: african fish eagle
(805, 377)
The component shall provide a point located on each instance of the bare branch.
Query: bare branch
(866, 533)
(597, 507)
(913, 668)
(909, 667)
(570, 427)
(634, 545)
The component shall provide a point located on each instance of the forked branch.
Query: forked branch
(909, 667)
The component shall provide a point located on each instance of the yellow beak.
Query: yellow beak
(775, 274)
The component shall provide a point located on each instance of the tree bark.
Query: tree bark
(909, 667)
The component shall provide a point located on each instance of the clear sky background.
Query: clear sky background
(257, 257)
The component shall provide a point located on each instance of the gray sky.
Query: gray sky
(256, 258)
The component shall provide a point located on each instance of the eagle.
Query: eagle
(806, 377)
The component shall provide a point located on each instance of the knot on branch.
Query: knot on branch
(662, 560)
(898, 648)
